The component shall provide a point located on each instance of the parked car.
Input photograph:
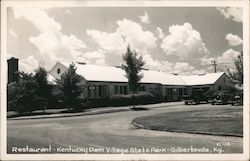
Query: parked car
(221, 97)
(237, 98)
(197, 97)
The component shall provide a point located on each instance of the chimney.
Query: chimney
(12, 70)
(81, 63)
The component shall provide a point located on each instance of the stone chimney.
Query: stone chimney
(12, 70)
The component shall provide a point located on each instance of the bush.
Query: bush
(126, 100)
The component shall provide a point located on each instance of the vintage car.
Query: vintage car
(237, 98)
(197, 97)
(221, 97)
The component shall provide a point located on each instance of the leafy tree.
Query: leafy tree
(133, 65)
(237, 75)
(22, 95)
(43, 87)
(71, 88)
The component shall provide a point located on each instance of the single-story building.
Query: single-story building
(105, 81)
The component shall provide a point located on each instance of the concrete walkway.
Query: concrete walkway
(94, 111)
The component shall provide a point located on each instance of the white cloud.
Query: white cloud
(100, 62)
(135, 35)
(160, 33)
(145, 18)
(183, 68)
(127, 32)
(229, 56)
(94, 57)
(234, 13)
(196, 72)
(94, 54)
(13, 34)
(178, 67)
(233, 40)
(226, 59)
(156, 64)
(51, 43)
(107, 41)
(206, 61)
(68, 12)
(28, 64)
(38, 18)
(184, 42)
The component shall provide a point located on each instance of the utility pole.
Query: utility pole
(214, 63)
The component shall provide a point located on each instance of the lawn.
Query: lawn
(215, 121)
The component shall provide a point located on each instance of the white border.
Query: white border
(243, 4)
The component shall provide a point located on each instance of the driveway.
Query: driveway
(114, 130)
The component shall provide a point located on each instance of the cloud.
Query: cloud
(225, 59)
(51, 43)
(160, 33)
(145, 18)
(68, 12)
(206, 61)
(184, 42)
(13, 34)
(183, 68)
(229, 56)
(38, 17)
(127, 32)
(233, 40)
(94, 54)
(107, 41)
(156, 64)
(234, 13)
(93, 57)
(28, 64)
(169, 67)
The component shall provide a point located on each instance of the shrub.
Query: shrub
(125, 100)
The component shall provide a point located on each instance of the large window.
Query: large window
(185, 91)
(121, 89)
(95, 91)
(180, 91)
(116, 89)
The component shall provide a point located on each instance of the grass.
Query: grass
(214, 121)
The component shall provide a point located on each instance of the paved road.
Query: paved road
(102, 131)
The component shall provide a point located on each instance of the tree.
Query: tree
(71, 88)
(133, 65)
(236, 75)
(22, 95)
(43, 87)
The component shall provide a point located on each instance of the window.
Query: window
(104, 91)
(100, 91)
(185, 91)
(125, 89)
(121, 89)
(116, 89)
(169, 91)
(58, 71)
(89, 91)
(180, 92)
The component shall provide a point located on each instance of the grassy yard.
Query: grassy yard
(215, 121)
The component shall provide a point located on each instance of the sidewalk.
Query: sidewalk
(94, 111)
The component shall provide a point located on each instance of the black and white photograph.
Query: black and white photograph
(124, 80)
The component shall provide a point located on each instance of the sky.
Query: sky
(182, 40)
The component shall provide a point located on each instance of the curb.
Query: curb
(128, 108)
(139, 126)
(71, 115)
